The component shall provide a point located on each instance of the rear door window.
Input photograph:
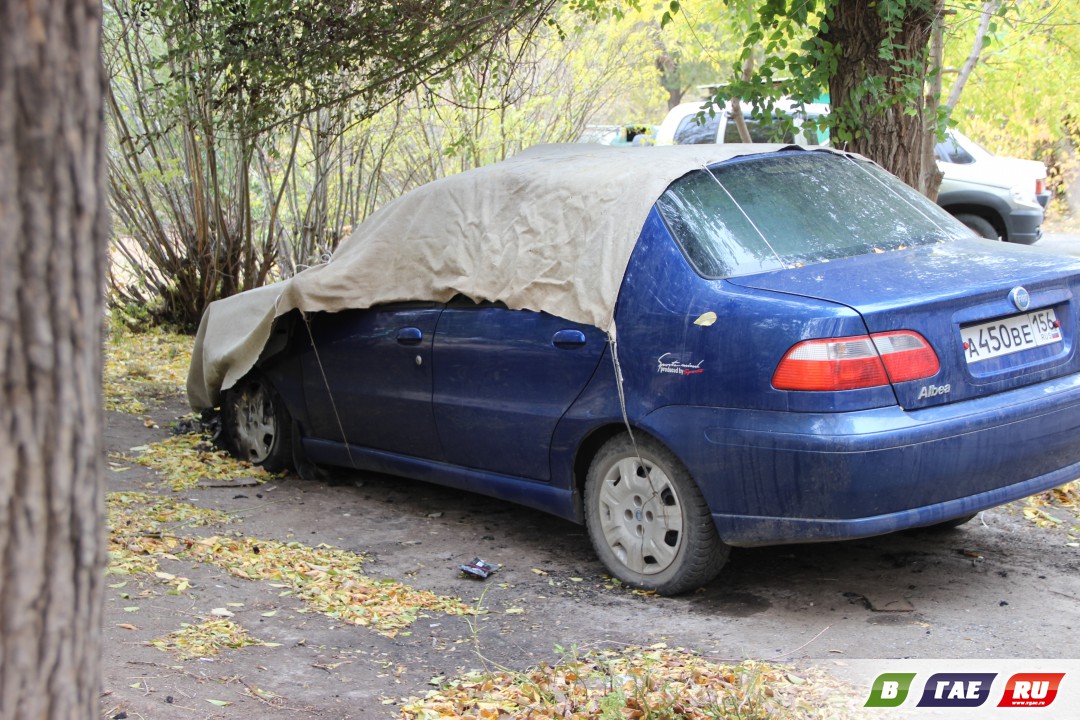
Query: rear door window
(691, 132)
(759, 133)
(948, 150)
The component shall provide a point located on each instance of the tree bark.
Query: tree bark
(888, 133)
(53, 229)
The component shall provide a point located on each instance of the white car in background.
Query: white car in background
(680, 126)
(997, 197)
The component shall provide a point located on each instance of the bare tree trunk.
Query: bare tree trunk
(989, 9)
(736, 104)
(884, 130)
(53, 229)
(931, 174)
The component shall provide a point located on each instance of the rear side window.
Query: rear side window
(948, 150)
(795, 208)
(758, 133)
(690, 132)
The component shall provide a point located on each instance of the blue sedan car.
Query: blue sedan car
(806, 350)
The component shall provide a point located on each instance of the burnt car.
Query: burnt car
(684, 348)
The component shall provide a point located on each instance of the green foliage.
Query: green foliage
(870, 58)
(1017, 101)
(694, 40)
(669, 14)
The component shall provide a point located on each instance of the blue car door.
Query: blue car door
(503, 379)
(371, 378)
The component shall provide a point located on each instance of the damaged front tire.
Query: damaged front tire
(256, 425)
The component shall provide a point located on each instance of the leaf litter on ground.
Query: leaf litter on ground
(185, 461)
(1038, 508)
(144, 528)
(143, 368)
(637, 682)
(206, 639)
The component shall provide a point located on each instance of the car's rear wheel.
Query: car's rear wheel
(647, 519)
(257, 426)
(980, 226)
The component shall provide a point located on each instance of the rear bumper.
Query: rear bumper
(747, 531)
(772, 477)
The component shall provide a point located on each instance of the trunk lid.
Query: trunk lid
(966, 298)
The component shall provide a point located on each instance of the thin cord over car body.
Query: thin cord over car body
(326, 383)
(646, 468)
(745, 215)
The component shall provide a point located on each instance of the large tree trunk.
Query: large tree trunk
(888, 132)
(52, 240)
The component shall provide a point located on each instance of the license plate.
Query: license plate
(1011, 334)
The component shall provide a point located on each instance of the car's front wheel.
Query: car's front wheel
(257, 426)
(980, 226)
(647, 519)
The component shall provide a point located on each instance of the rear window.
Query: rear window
(795, 208)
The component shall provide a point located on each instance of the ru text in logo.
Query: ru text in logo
(1031, 690)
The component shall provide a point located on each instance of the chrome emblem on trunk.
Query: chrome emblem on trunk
(1020, 298)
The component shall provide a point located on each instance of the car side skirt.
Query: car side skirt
(521, 491)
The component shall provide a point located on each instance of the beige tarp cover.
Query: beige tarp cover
(550, 229)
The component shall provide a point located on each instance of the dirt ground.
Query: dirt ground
(999, 587)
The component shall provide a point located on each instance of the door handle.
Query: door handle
(409, 336)
(568, 339)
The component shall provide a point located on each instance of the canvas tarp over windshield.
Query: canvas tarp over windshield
(550, 230)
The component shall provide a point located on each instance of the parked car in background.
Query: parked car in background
(997, 197)
(681, 125)
(684, 348)
(619, 135)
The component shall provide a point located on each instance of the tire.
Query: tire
(980, 226)
(256, 424)
(647, 519)
(952, 524)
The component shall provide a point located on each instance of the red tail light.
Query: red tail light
(856, 362)
(1040, 186)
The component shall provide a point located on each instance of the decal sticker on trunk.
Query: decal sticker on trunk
(670, 364)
